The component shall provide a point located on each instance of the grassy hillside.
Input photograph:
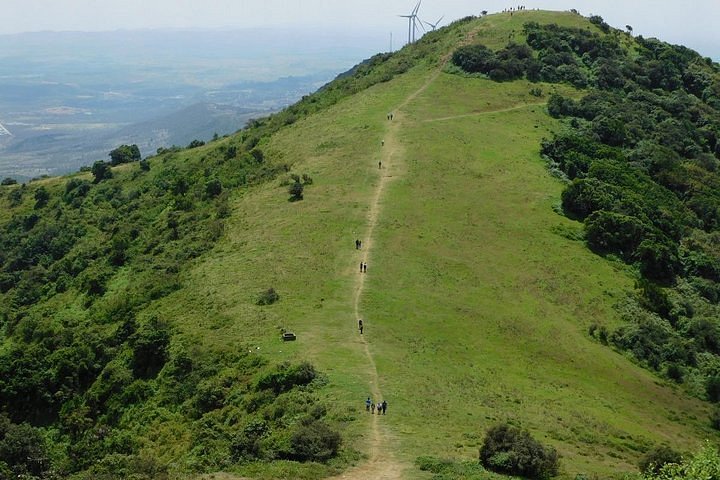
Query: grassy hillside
(476, 302)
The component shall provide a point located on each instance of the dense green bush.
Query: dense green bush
(475, 59)
(23, 451)
(704, 464)
(314, 441)
(510, 450)
(286, 376)
(609, 232)
(150, 348)
(124, 154)
(101, 171)
(654, 460)
(268, 297)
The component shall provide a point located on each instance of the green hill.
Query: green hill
(135, 341)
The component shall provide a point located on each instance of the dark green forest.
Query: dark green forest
(640, 151)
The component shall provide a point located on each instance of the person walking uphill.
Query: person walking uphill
(368, 402)
(384, 406)
(360, 326)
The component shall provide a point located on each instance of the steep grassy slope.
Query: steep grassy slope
(476, 303)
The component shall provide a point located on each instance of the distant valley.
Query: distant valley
(67, 98)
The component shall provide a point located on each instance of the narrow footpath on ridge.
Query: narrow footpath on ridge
(381, 464)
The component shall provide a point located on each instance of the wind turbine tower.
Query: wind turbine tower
(412, 22)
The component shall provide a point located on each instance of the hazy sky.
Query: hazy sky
(689, 22)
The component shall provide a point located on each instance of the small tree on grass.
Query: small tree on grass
(101, 171)
(513, 451)
(124, 154)
(297, 186)
(296, 191)
(41, 197)
(268, 297)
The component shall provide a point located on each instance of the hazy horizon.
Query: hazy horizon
(376, 19)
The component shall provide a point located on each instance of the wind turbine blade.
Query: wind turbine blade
(421, 24)
(439, 20)
(417, 7)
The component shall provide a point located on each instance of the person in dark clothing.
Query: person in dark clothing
(361, 267)
(360, 326)
(364, 268)
(384, 406)
(368, 402)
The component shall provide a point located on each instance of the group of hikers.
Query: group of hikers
(371, 406)
(514, 9)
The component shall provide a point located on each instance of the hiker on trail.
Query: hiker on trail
(357, 244)
(380, 164)
(384, 406)
(382, 143)
(360, 326)
(364, 268)
(391, 115)
(372, 408)
(379, 407)
(367, 404)
(361, 267)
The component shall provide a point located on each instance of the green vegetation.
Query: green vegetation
(93, 360)
(657, 458)
(641, 150)
(87, 359)
(510, 450)
(642, 153)
(704, 464)
(140, 338)
(125, 154)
